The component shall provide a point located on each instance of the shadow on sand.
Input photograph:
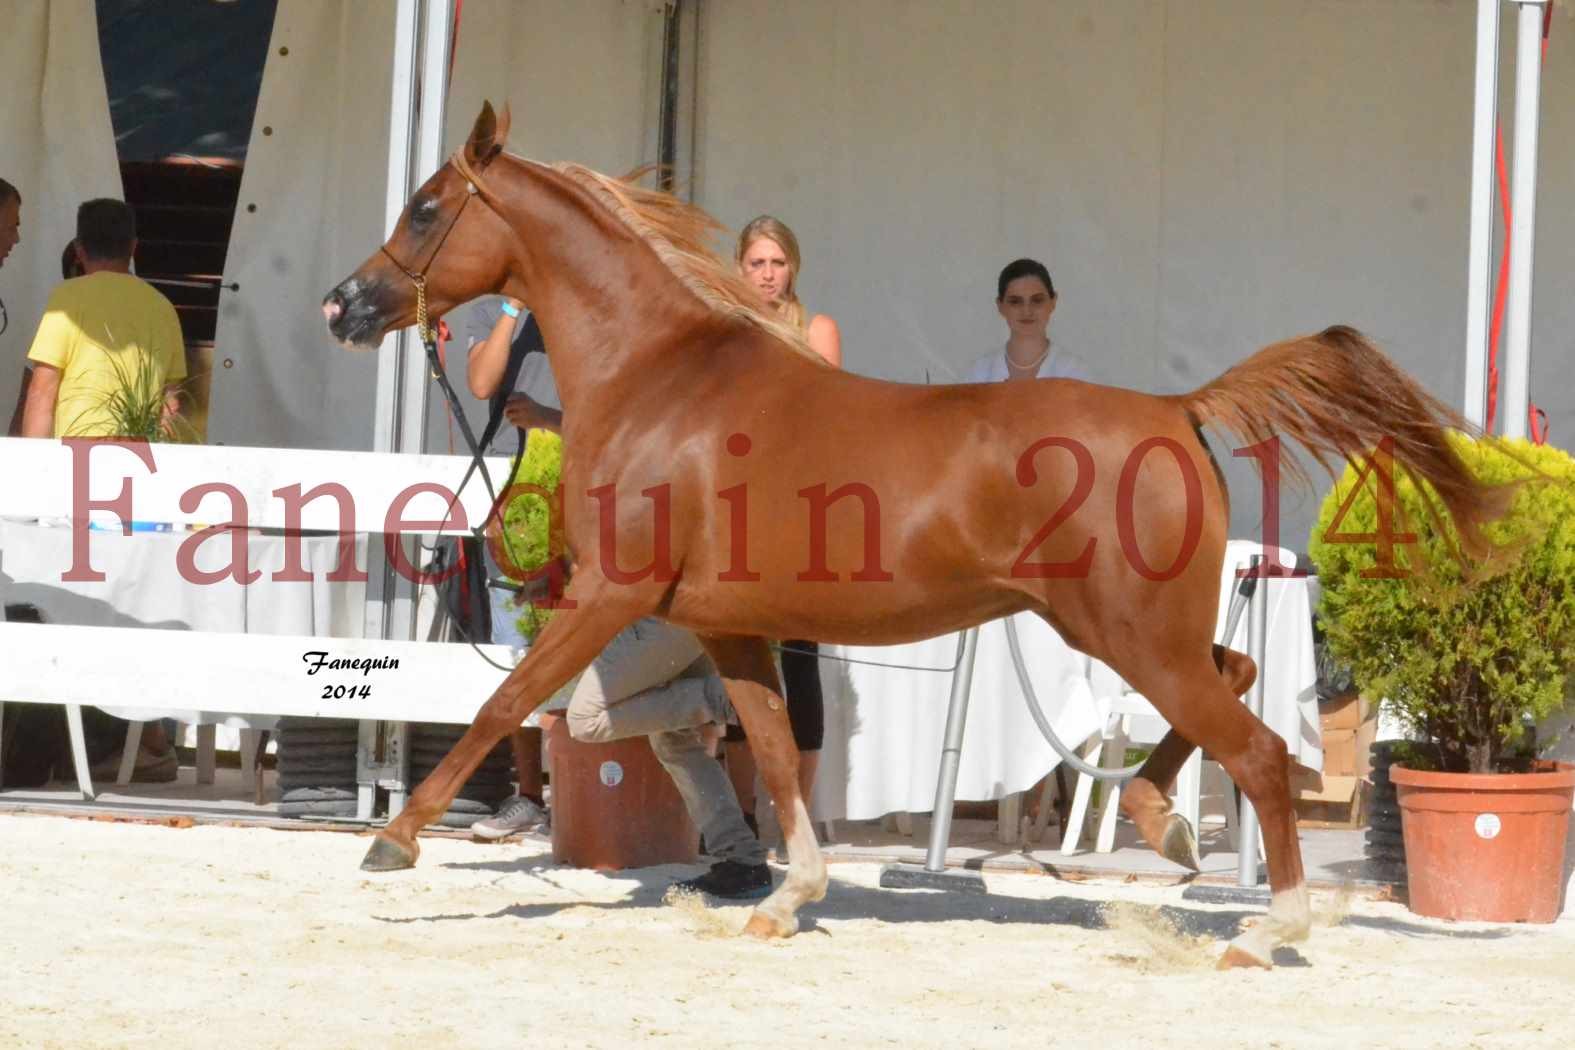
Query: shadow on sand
(846, 901)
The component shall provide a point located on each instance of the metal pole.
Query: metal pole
(951, 751)
(437, 18)
(418, 93)
(1257, 646)
(1481, 251)
(1523, 204)
(390, 356)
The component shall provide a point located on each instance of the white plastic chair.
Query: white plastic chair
(1130, 720)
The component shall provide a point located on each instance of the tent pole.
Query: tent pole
(1481, 251)
(1523, 205)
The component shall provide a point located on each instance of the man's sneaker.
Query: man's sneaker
(150, 768)
(514, 816)
(730, 879)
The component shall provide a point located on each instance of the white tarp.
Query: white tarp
(582, 81)
(56, 147)
(1201, 179)
(315, 174)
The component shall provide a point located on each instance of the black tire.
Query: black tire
(318, 738)
(289, 722)
(317, 809)
(436, 751)
(289, 785)
(474, 784)
(325, 775)
(342, 750)
(472, 788)
(437, 731)
(1385, 841)
(317, 757)
(474, 808)
(317, 794)
(1385, 870)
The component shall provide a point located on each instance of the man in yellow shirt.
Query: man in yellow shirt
(106, 337)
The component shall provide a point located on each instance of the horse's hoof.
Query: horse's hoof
(1239, 959)
(387, 855)
(767, 927)
(1180, 843)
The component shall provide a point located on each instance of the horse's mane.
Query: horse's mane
(679, 234)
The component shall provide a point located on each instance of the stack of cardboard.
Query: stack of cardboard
(1349, 725)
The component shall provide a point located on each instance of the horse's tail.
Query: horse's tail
(1339, 395)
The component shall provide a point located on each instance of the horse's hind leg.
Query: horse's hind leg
(1145, 800)
(566, 646)
(1195, 700)
(750, 675)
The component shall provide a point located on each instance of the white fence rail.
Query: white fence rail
(246, 674)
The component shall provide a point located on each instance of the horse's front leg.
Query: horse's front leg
(750, 675)
(566, 646)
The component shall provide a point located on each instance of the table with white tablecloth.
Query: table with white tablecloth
(143, 586)
(884, 724)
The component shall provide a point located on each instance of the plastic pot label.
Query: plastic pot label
(1488, 825)
(612, 775)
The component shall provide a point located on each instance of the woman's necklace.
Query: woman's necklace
(1031, 366)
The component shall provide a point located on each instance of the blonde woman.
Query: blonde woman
(769, 259)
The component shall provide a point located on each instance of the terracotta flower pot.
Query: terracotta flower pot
(613, 805)
(1486, 846)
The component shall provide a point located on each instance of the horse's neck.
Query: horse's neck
(607, 306)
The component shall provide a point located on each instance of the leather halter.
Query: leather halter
(429, 341)
(419, 277)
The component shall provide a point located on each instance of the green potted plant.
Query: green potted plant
(1470, 658)
(135, 406)
(530, 536)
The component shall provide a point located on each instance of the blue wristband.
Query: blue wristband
(512, 310)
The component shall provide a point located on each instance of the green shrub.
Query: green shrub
(1467, 662)
(528, 536)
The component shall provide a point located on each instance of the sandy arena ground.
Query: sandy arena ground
(135, 935)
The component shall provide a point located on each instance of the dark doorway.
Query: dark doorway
(183, 78)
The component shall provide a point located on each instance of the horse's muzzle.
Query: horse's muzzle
(355, 314)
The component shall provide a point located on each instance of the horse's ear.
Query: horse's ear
(501, 137)
(485, 142)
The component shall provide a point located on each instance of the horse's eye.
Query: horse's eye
(422, 214)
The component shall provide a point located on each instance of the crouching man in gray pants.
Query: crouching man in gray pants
(654, 680)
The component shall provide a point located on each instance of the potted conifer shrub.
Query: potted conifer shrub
(1470, 658)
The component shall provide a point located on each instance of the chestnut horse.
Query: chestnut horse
(709, 458)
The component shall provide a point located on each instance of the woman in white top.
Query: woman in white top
(1025, 299)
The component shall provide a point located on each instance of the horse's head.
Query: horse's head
(446, 249)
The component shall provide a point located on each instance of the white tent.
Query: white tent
(1201, 179)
